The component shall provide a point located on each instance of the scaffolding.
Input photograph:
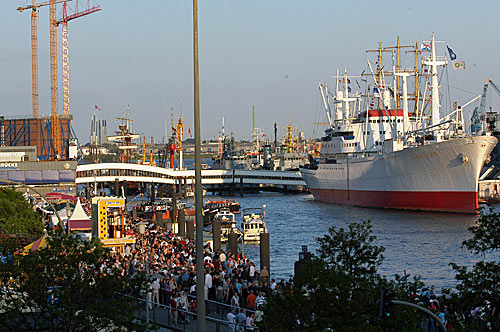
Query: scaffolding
(29, 131)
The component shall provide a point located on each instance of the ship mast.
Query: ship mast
(398, 47)
(433, 62)
(379, 73)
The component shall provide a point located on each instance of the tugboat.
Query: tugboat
(253, 224)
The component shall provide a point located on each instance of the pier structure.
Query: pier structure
(217, 181)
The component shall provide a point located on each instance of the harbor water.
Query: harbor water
(416, 243)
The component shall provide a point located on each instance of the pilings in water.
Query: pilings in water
(173, 194)
(233, 242)
(159, 218)
(265, 258)
(181, 223)
(241, 186)
(216, 234)
(189, 225)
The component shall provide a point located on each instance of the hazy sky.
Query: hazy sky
(265, 53)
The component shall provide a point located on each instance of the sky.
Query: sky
(266, 54)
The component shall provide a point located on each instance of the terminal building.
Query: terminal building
(20, 164)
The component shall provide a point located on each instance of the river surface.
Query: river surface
(416, 243)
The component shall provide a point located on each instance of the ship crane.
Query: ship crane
(34, 50)
(65, 46)
(151, 162)
(478, 114)
(478, 118)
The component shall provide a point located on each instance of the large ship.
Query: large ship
(396, 157)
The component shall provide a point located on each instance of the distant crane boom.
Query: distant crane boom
(65, 47)
(494, 86)
(37, 5)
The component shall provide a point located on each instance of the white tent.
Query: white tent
(79, 220)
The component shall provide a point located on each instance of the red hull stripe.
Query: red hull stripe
(441, 201)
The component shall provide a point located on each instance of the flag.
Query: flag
(375, 91)
(425, 47)
(189, 131)
(453, 56)
(96, 107)
(348, 89)
(458, 64)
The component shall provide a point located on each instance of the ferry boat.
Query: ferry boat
(387, 157)
(253, 224)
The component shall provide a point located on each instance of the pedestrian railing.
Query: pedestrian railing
(179, 319)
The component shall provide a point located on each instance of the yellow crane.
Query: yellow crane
(34, 49)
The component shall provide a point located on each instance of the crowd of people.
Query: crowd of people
(233, 284)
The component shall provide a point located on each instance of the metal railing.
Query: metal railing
(183, 320)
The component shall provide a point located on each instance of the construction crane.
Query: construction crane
(54, 101)
(65, 46)
(34, 50)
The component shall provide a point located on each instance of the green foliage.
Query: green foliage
(479, 286)
(339, 289)
(353, 251)
(16, 214)
(67, 287)
(486, 233)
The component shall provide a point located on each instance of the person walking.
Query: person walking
(235, 301)
(156, 292)
(251, 301)
(231, 318)
(241, 317)
(250, 322)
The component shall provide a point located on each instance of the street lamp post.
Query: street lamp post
(200, 273)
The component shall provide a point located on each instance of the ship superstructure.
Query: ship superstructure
(380, 152)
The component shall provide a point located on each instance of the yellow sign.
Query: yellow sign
(103, 204)
(117, 242)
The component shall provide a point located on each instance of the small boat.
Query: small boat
(231, 204)
(227, 224)
(493, 200)
(211, 208)
(253, 224)
(190, 191)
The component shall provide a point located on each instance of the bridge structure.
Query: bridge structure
(222, 181)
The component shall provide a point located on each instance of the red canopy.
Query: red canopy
(60, 196)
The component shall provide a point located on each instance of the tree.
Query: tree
(70, 285)
(17, 217)
(340, 288)
(478, 288)
(16, 214)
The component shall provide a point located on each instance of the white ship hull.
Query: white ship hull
(433, 177)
